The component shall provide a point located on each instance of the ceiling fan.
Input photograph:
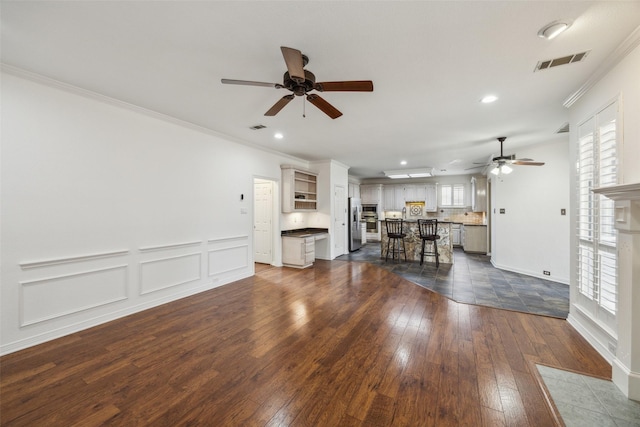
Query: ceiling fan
(501, 163)
(300, 82)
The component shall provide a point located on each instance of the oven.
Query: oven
(370, 218)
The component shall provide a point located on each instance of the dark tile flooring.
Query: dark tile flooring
(472, 279)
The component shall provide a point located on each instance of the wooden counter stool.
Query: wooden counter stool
(395, 235)
(429, 233)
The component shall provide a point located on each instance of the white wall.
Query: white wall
(532, 236)
(107, 210)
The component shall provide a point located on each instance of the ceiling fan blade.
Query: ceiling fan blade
(525, 163)
(279, 105)
(250, 83)
(323, 105)
(295, 63)
(346, 86)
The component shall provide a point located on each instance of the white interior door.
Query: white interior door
(339, 221)
(263, 221)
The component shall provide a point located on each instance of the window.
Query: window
(452, 195)
(597, 237)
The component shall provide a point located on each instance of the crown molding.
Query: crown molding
(48, 81)
(626, 47)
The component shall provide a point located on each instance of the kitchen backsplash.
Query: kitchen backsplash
(462, 215)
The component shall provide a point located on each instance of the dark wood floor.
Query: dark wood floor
(340, 344)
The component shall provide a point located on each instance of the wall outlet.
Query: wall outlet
(546, 273)
(502, 210)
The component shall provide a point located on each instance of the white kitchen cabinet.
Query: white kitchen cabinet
(474, 238)
(371, 194)
(431, 198)
(393, 197)
(398, 197)
(415, 193)
(299, 190)
(478, 194)
(354, 190)
(298, 252)
(456, 237)
(388, 198)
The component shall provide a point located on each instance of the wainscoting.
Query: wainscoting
(62, 295)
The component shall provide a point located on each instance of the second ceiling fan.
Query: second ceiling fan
(501, 163)
(300, 82)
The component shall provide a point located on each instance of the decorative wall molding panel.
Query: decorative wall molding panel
(49, 298)
(230, 238)
(228, 259)
(168, 272)
(170, 246)
(67, 260)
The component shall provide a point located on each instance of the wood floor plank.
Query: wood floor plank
(342, 343)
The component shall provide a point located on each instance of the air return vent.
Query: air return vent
(570, 59)
(257, 127)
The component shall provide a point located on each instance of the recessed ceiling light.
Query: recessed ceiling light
(489, 99)
(404, 162)
(278, 135)
(553, 29)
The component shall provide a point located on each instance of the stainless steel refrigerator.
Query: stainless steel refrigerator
(355, 230)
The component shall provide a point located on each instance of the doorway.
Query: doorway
(263, 194)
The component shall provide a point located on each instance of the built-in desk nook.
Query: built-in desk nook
(413, 242)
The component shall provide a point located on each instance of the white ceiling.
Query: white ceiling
(430, 62)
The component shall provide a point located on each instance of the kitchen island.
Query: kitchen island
(413, 242)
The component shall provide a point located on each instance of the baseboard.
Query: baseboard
(592, 339)
(562, 280)
(626, 380)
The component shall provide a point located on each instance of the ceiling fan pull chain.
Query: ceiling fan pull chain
(304, 107)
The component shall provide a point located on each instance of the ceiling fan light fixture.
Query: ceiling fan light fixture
(553, 29)
(409, 173)
(501, 169)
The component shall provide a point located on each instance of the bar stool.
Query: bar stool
(429, 233)
(395, 235)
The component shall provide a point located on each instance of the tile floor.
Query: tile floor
(585, 401)
(472, 279)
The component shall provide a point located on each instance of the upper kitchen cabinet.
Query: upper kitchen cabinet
(371, 194)
(431, 198)
(299, 190)
(478, 194)
(392, 197)
(354, 190)
(415, 193)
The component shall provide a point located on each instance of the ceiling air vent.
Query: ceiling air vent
(564, 128)
(257, 127)
(570, 59)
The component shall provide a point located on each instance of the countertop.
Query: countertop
(304, 232)
(442, 222)
(415, 221)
